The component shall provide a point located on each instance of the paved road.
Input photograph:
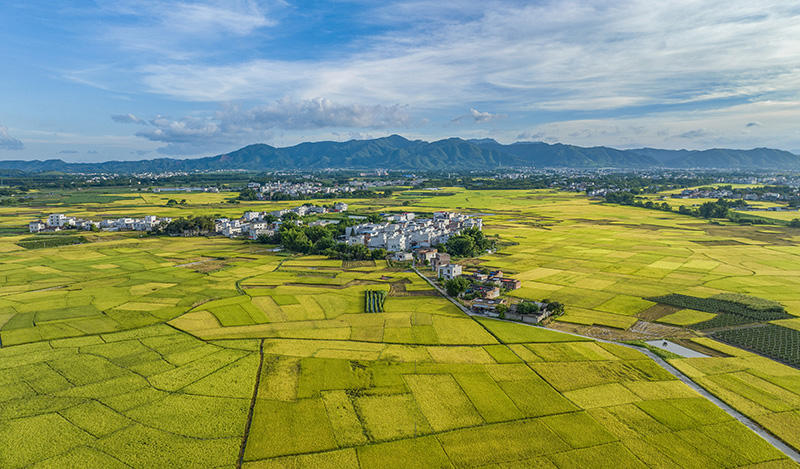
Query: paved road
(676, 349)
(781, 446)
(778, 444)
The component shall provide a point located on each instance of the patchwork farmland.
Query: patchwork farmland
(209, 352)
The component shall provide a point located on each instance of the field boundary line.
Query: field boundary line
(744, 420)
(249, 422)
(741, 418)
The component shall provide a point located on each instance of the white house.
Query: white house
(402, 256)
(56, 219)
(449, 271)
(231, 231)
(355, 239)
(36, 226)
(340, 207)
(395, 243)
(250, 216)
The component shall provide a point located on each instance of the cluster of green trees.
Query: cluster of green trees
(718, 209)
(457, 286)
(531, 307)
(320, 240)
(173, 202)
(198, 224)
(469, 243)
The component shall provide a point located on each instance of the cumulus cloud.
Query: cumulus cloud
(314, 114)
(233, 124)
(128, 119)
(8, 142)
(478, 117)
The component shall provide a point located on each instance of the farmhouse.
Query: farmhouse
(482, 305)
(486, 291)
(426, 254)
(36, 226)
(449, 271)
(440, 259)
(402, 256)
(510, 283)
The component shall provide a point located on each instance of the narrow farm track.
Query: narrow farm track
(775, 442)
(252, 407)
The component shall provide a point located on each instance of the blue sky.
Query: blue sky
(133, 79)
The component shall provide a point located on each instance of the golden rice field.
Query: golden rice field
(209, 352)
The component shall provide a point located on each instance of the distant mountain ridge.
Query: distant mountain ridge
(399, 153)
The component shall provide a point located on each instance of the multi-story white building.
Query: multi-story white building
(449, 271)
(405, 231)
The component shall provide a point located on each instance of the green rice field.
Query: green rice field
(141, 351)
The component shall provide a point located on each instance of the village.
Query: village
(250, 225)
(406, 237)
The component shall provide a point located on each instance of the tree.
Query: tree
(795, 223)
(172, 202)
(502, 309)
(460, 246)
(374, 218)
(379, 253)
(555, 307)
(323, 244)
(247, 194)
(456, 286)
(527, 307)
(290, 216)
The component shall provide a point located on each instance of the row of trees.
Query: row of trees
(628, 198)
(250, 194)
(719, 209)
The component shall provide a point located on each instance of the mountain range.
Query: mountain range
(398, 153)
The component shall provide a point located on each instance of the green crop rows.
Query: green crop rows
(374, 300)
(733, 309)
(40, 242)
(779, 342)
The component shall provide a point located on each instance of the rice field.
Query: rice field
(170, 344)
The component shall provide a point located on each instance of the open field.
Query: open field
(766, 391)
(129, 342)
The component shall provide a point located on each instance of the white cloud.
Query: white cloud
(556, 55)
(478, 117)
(314, 114)
(720, 127)
(7, 142)
(233, 124)
(182, 29)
